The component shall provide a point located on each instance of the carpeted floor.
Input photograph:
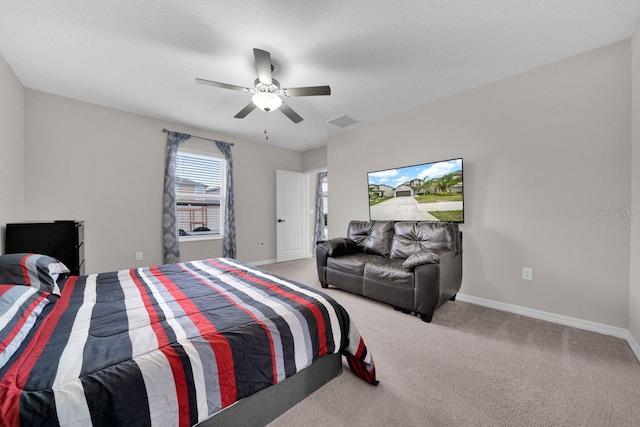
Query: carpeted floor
(472, 366)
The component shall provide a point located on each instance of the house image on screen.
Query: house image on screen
(457, 187)
(380, 191)
(436, 185)
(410, 188)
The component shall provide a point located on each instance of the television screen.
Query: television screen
(424, 192)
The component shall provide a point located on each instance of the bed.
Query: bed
(175, 344)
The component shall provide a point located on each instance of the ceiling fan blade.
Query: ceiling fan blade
(246, 110)
(288, 111)
(263, 65)
(307, 91)
(223, 85)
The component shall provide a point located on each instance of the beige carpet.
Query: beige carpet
(472, 366)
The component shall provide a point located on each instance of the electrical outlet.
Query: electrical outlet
(261, 243)
(527, 273)
(139, 256)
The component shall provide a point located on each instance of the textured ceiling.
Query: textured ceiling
(380, 57)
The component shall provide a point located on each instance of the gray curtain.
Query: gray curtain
(319, 235)
(169, 224)
(229, 239)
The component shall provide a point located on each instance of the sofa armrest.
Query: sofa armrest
(427, 256)
(332, 247)
(437, 283)
(337, 246)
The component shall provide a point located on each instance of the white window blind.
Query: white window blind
(200, 197)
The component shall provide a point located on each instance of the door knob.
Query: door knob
(280, 220)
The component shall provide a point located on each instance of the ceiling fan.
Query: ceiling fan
(266, 91)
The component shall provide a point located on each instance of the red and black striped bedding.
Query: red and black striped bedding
(169, 345)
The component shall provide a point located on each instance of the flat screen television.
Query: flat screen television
(424, 192)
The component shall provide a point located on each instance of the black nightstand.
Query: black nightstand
(63, 240)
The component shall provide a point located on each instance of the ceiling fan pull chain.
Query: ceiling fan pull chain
(266, 118)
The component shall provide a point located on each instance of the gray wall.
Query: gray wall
(546, 157)
(634, 287)
(12, 148)
(106, 167)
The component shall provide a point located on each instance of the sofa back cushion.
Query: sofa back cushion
(410, 237)
(372, 237)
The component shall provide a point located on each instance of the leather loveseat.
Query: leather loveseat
(414, 266)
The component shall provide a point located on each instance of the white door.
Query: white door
(291, 215)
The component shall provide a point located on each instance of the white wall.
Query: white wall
(106, 167)
(315, 159)
(12, 149)
(634, 283)
(546, 154)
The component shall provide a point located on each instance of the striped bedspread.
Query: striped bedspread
(169, 345)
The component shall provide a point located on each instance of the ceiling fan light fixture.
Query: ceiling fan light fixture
(267, 101)
(267, 94)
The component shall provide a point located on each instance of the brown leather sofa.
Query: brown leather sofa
(414, 266)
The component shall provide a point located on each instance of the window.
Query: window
(200, 195)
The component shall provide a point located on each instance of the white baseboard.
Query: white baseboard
(545, 315)
(634, 345)
(556, 318)
(267, 261)
(263, 262)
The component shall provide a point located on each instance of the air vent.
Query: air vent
(342, 121)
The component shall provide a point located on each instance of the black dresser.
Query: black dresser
(63, 240)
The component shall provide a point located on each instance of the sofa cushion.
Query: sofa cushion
(411, 237)
(372, 237)
(389, 271)
(352, 263)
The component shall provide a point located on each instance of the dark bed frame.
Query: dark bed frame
(268, 404)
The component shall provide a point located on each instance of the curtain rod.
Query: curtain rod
(199, 137)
